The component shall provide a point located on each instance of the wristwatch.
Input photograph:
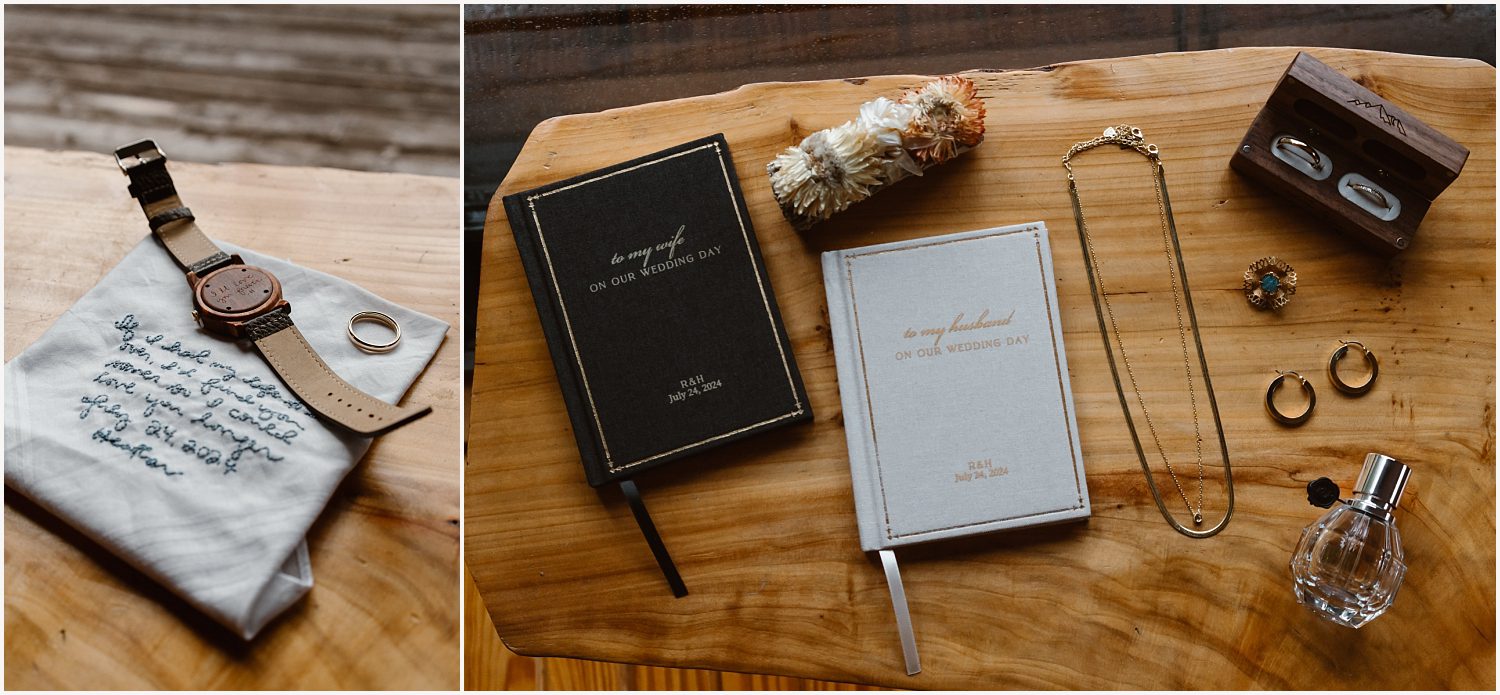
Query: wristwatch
(243, 302)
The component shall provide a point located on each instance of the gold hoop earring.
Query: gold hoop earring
(1333, 368)
(1277, 415)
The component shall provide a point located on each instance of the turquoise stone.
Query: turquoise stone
(1269, 283)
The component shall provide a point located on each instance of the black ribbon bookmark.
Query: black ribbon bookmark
(648, 529)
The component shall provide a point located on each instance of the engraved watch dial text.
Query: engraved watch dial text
(237, 289)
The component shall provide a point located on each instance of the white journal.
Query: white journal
(954, 382)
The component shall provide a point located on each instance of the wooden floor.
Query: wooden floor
(373, 88)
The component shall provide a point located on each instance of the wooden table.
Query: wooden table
(384, 610)
(764, 530)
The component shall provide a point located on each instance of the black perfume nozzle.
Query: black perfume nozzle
(1322, 493)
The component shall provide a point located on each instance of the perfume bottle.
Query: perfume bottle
(1349, 563)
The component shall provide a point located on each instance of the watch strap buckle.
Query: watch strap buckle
(145, 165)
(138, 153)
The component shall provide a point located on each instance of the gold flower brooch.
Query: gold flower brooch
(1270, 283)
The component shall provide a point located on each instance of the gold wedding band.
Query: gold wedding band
(1305, 151)
(374, 317)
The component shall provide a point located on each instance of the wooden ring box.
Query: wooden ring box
(1361, 139)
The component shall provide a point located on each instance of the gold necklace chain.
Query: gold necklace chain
(1128, 137)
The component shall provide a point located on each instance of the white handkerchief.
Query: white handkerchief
(182, 451)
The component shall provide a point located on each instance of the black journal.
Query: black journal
(661, 321)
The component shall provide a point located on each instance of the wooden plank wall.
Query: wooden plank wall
(527, 63)
(374, 88)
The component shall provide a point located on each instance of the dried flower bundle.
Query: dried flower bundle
(890, 140)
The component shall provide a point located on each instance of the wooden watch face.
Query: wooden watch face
(237, 292)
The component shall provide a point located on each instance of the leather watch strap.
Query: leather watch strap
(173, 223)
(287, 351)
(282, 345)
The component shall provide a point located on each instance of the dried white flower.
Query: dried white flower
(831, 170)
(888, 120)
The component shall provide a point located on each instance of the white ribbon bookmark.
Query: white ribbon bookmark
(903, 616)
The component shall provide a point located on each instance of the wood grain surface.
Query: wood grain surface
(764, 530)
(488, 665)
(384, 612)
(371, 87)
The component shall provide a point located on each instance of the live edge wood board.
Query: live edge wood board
(764, 531)
(383, 611)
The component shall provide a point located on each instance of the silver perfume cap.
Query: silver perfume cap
(1381, 482)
